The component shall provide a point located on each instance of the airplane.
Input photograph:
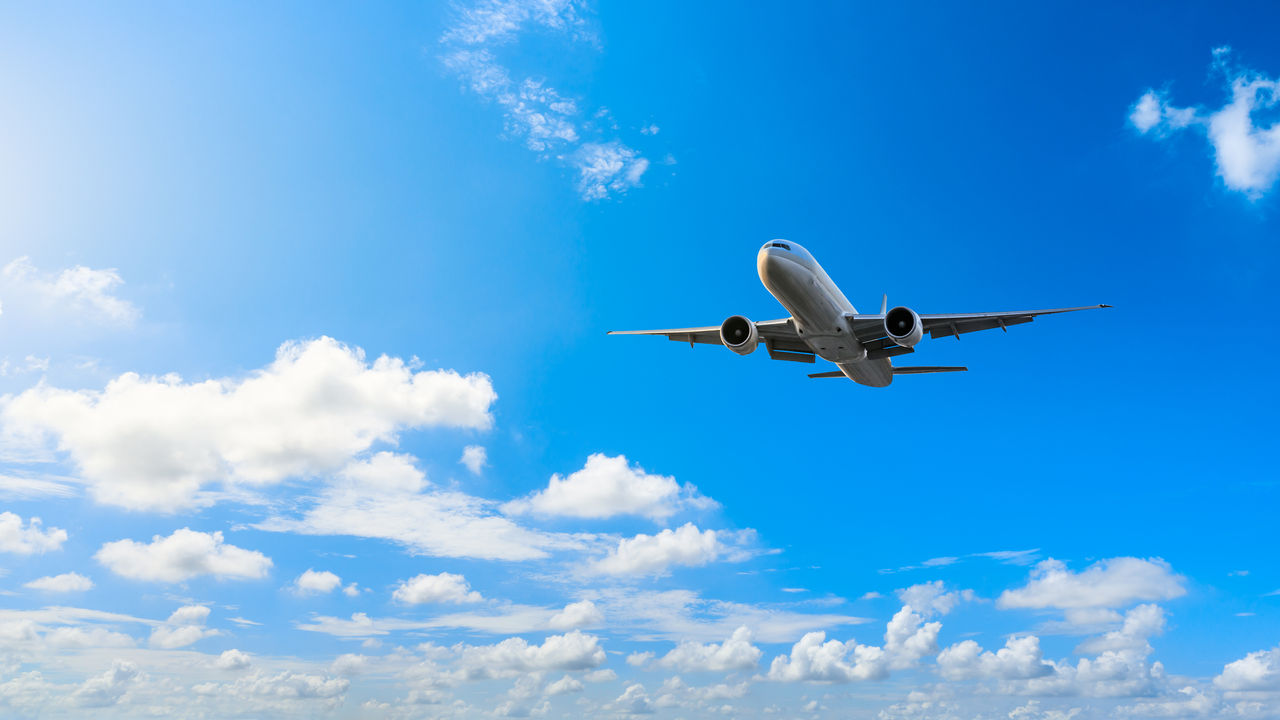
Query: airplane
(824, 323)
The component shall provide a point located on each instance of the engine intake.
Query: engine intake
(903, 326)
(739, 335)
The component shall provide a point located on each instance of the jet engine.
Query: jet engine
(739, 335)
(903, 326)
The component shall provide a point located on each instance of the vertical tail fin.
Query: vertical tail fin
(884, 303)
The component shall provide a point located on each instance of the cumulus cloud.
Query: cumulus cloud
(534, 111)
(66, 582)
(634, 701)
(932, 598)
(1020, 658)
(154, 443)
(907, 639)
(1246, 149)
(566, 684)
(442, 588)
(735, 653)
(1256, 671)
(28, 538)
(816, 659)
(106, 689)
(1139, 624)
(348, 664)
(574, 650)
(1115, 582)
(83, 292)
(583, 613)
(387, 497)
(656, 554)
(474, 458)
(607, 487)
(183, 555)
(1119, 668)
(184, 627)
(252, 688)
(233, 660)
(316, 582)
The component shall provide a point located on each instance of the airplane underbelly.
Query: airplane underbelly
(874, 373)
(819, 318)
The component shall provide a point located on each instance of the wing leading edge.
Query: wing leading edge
(870, 328)
(778, 336)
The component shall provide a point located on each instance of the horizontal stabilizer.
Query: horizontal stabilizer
(833, 373)
(920, 370)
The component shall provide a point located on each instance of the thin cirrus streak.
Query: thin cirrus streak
(548, 122)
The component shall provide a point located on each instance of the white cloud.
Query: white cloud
(155, 442)
(82, 291)
(352, 590)
(1247, 154)
(184, 627)
(29, 488)
(1120, 668)
(106, 689)
(442, 588)
(1256, 671)
(250, 689)
(73, 637)
(634, 701)
(183, 555)
(1115, 582)
(736, 653)
(640, 659)
(474, 458)
(607, 167)
(348, 664)
(498, 21)
(66, 582)
(1020, 658)
(583, 613)
(533, 110)
(932, 598)
(28, 540)
(816, 659)
(387, 497)
(1140, 623)
(1153, 112)
(655, 554)
(514, 656)
(233, 660)
(683, 615)
(312, 581)
(607, 487)
(907, 639)
(566, 684)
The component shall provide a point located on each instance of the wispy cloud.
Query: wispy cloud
(546, 120)
(1246, 151)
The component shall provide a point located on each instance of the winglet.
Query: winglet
(884, 303)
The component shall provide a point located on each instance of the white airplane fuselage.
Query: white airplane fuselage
(818, 309)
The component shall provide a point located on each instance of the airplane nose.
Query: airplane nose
(767, 262)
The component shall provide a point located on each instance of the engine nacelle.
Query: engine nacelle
(739, 335)
(903, 326)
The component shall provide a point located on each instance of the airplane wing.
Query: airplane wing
(870, 328)
(778, 336)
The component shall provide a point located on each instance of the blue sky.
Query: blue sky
(269, 272)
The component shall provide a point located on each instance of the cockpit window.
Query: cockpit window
(784, 246)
